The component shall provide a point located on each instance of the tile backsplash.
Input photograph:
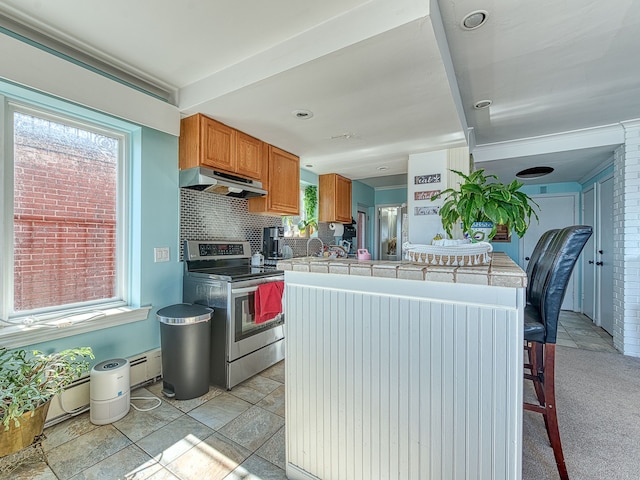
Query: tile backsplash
(208, 216)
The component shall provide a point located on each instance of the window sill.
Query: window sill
(22, 335)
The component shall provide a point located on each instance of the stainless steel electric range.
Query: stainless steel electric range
(219, 274)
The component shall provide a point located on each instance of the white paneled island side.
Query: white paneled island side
(403, 371)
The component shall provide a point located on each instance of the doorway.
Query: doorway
(598, 260)
(556, 211)
(361, 230)
(391, 231)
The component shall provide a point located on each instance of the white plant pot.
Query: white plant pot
(480, 231)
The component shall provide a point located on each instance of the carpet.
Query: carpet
(598, 404)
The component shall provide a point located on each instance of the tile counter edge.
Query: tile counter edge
(501, 272)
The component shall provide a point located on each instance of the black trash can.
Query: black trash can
(185, 337)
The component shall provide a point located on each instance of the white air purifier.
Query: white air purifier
(109, 391)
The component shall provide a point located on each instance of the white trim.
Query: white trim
(390, 187)
(81, 86)
(595, 318)
(296, 473)
(22, 335)
(557, 142)
(631, 124)
(596, 171)
(6, 212)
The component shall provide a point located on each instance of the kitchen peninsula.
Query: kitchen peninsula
(402, 370)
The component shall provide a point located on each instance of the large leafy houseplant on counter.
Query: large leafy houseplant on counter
(482, 198)
(28, 381)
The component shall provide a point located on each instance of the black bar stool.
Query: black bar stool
(545, 292)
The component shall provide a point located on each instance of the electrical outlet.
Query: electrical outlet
(161, 254)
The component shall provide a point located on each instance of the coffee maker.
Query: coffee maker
(272, 241)
(349, 234)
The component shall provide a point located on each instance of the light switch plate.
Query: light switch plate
(161, 254)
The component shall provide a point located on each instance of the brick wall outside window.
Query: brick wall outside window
(64, 214)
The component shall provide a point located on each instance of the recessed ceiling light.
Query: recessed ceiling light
(534, 172)
(302, 114)
(480, 104)
(383, 168)
(474, 20)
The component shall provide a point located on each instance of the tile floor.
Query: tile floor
(221, 435)
(578, 331)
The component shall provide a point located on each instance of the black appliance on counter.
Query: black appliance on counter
(272, 242)
(349, 234)
(218, 274)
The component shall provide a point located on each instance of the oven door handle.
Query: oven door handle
(240, 291)
(253, 288)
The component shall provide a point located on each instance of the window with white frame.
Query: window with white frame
(293, 224)
(64, 216)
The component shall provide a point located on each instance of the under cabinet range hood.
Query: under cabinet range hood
(207, 180)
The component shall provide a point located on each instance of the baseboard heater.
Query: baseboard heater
(146, 368)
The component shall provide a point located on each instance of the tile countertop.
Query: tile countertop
(501, 272)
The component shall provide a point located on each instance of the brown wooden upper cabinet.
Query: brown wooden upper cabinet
(334, 198)
(209, 143)
(282, 181)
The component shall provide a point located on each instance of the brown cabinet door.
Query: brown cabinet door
(217, 142)
(334, 197)
(281, 178)
(248, 154)
(343, 199)
(284, 182)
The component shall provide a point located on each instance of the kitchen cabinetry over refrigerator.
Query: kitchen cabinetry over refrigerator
(207, 142)
(334, 198)
(282, 181)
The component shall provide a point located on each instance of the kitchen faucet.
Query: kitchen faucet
(321, 244)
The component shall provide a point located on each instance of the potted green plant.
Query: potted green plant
(310, 202)
(28, 381)
(307, 227)
(482, 198)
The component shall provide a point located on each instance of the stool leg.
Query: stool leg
(550, 415)
(537, 362)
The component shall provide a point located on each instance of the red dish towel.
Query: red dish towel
(268, 301)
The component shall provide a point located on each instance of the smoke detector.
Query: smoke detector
(302, 114)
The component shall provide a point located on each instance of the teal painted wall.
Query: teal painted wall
(563, 187)
(363, 197)
(390, 196)
(308, 177)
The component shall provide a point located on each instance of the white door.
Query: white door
(556, 211)
(604, 257)
(589, 255)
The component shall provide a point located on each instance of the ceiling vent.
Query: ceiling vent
(534, 172)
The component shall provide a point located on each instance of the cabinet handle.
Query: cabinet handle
(599, 264)
(600, 252)
(526, 258)
(590, 262)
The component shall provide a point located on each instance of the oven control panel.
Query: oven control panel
(196, 250)
(220, 249)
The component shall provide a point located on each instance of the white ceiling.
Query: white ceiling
(377, 74)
